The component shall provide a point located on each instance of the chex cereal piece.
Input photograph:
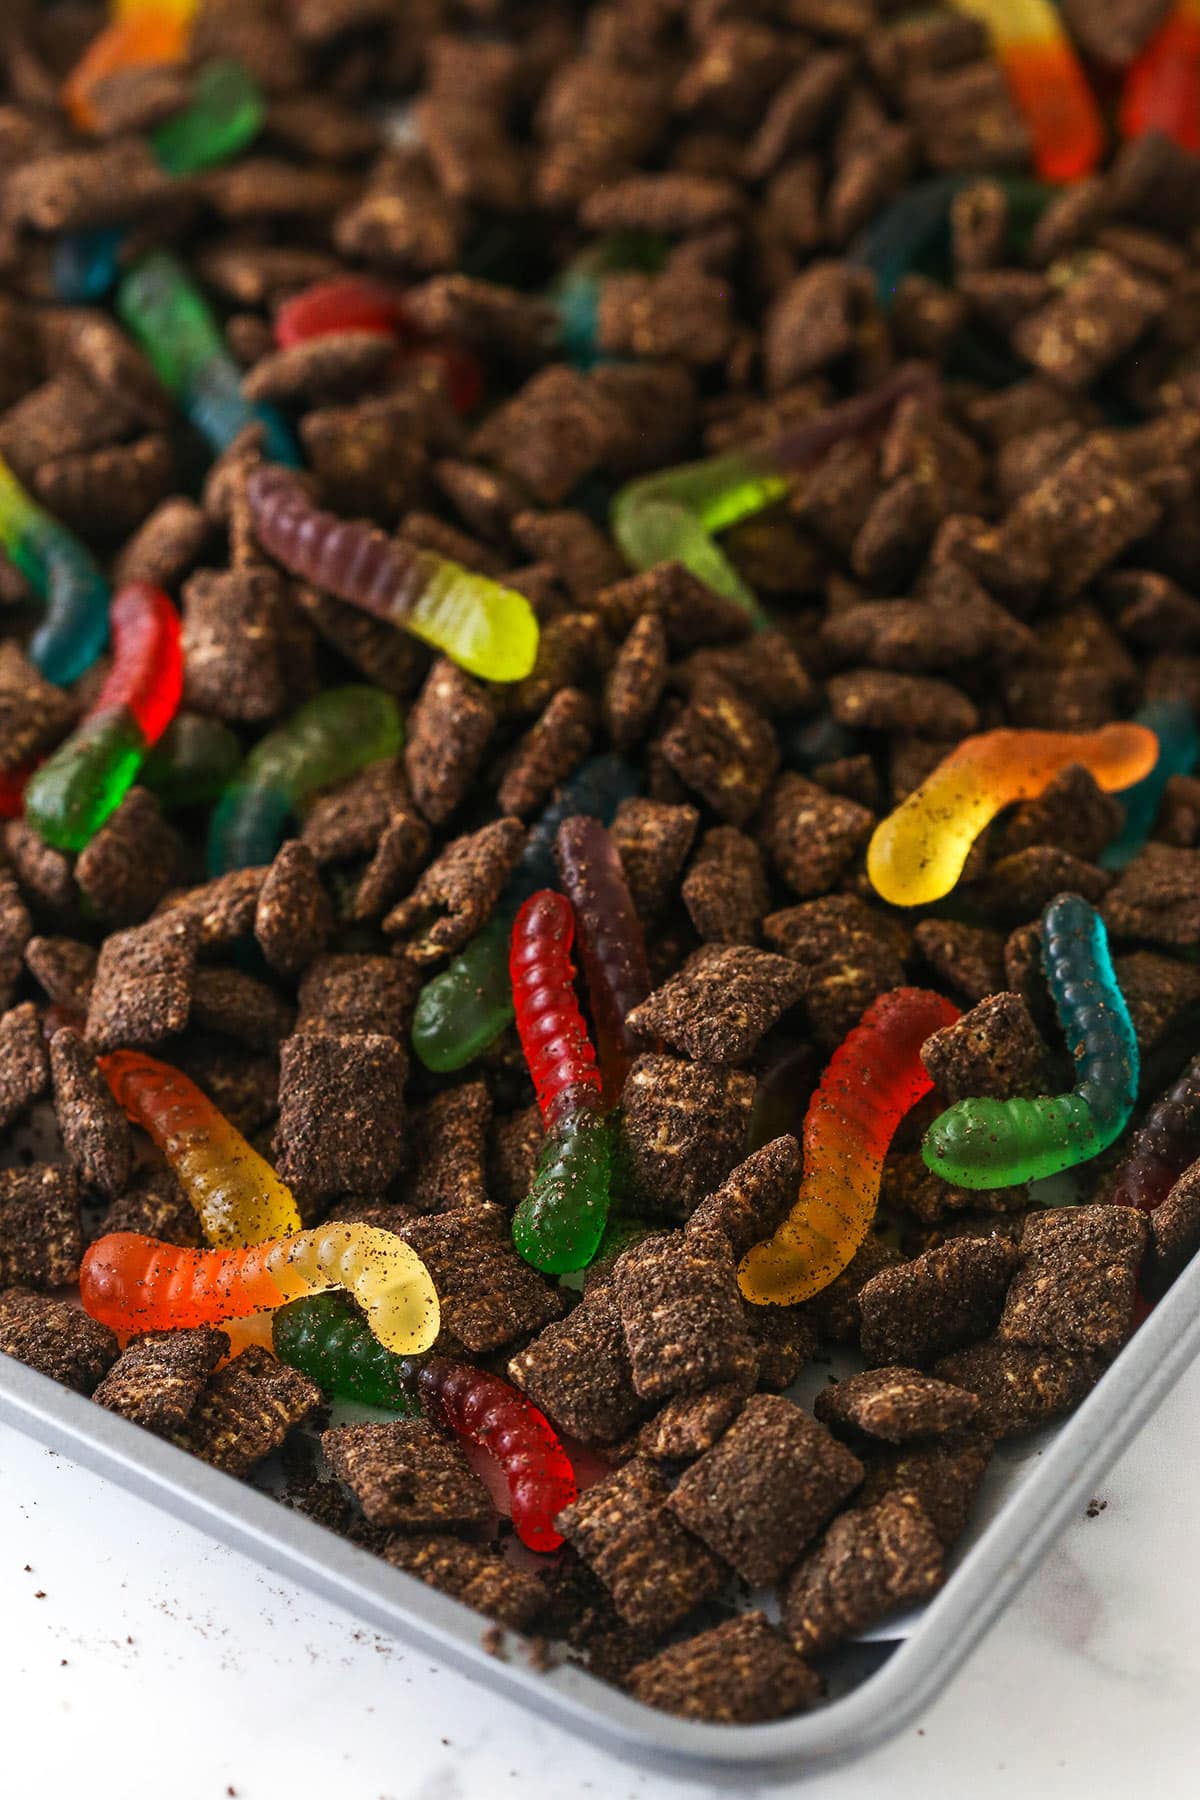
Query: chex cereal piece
(895, 1404)
(623, 1528)
(448, 731)
(1174, 1230)
(24, 1071)
(868, 1563)
(810, 835)
(994, 1050)
(941, 1299)
(63, 968)
(59, 1340)
(945, 1476)
(636, 682)
(555, 743)
(240, 1006)
(1076, 1285)
(683, 1126)
(784, 1340)
(653, 839)
(691, 612)
(341, 1112)
(690, 1424)
(721, 1003)
(246, 1411)
(457, 893)
(449, 1139)
(142, 993)
(968, 958)
(16, 931)
(725, 890)
(350, 820)
(577, 1371)
(1019, 1387)
(33, 712)
(754, 1198)
(222, 910)
(724, 750)
(470, 1573)
(155, 1205)
(682, 1316)
(94, 1129)
(515, 1145)
(233, 644)
(130, 863)
(294, 914)
(41, 1236)
(835, 1312)
(46, 876)
(354, 992)
(405, 1472)
(489, 1294)
(849, 952)
(740, 1673)
(157, 1379)
(766, 1488)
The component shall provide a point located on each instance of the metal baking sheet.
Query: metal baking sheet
(880, 1686)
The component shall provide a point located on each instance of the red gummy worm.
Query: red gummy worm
(12, 790)
(357, 562)
(146, 676)
(551, 1028)
(136, 1283)
(612, 947)
(345, 303)
(485, 1409)
(1168, 1142)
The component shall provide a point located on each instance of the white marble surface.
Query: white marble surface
(141, 1661)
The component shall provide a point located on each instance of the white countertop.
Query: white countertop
(141, 1661)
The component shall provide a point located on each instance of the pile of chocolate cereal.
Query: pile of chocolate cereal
(1020, 545)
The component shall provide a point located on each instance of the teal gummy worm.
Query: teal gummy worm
(1174, 725)
(998, 1143)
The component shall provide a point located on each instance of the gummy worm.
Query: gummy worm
(225, 114)
(998, 1143)
(135, 1283)
(167, 314)
(193, 762)
(83, 783)
(1047, 83)
(136, 37)
(1162, 88)
(911, 228)
(1173, 724)
(612, 948)
(490, 1413)
(324, 742)
(75, 628)
(673, 516)
(356, 303)
(917, 853)
(489, 630)
(326, 1338)
(237, 1196)
(1167, 1143)
(462, 1010)
(561, 1220)
(872, 1079)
